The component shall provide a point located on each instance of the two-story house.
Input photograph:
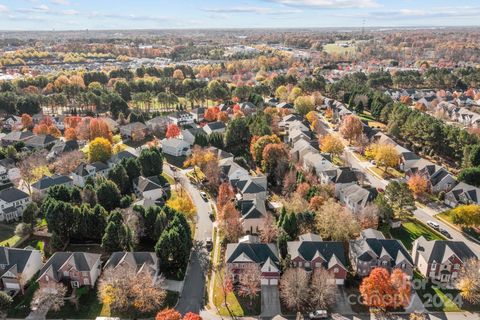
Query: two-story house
(239, 255)
(77, 268)
(149, 188)
(134, 131)
(340, 178)
(440, 260)
(42, 185)
(138, 261)
(372, 250)
(86, 170)
(310, 253)
(12, 203)
(462, 193)
(17, 267)
(175, 147)
(356, 198)
(181, 118)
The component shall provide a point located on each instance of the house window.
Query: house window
(404, 265)
(456, 266)
(318, 264)
(335, 270)
(384, 263)
(307, 264)
(75, 284)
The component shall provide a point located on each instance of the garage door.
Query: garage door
(340, 281)
(274, 282)
(12, 286)
(264, 281)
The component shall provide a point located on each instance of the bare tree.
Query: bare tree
(368, 216)
(294, 289)
(68, 161)
(29, 168)
(336, 222)
(250, 278)
(49, 297)
(123, 288)
(269, 230)
(322, 289)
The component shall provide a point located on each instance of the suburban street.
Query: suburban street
(423, 214)
(193, 292)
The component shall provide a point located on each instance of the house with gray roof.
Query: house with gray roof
(42, 185)
(217, 126)
(86, 170)
(138, 261)
(440, 260)
(356, 198)
(253, 212)
(462, 193)
(62, 146)
(181, 118)
(198, 114)
(40, 141)
(76, 268)
(119, 156)
(339, 177)
(372, 250)
(17, 267)
(239, 255)
(149, 188)
(16, 136)
(12, 203)
(310, 253)
(134, 130)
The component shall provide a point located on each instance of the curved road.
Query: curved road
(193, 291)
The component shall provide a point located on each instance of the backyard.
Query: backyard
(411, 230)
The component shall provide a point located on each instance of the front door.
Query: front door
(445, 278)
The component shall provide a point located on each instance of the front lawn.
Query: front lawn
(7, 235)
(413, 229)
(390, 173)
(237, 306)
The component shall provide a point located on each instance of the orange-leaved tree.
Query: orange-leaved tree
(168, 314)
(173, 131)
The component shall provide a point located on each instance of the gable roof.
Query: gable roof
(40, 139)
(136, 260)
(15, 257)
(46, 182)
(439, 250)
(82, 261)
(217, 125)
(17, 136)
(255, 252)
(365, 246)
(308, 250)
(12, 194)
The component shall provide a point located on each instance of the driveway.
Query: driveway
(193, 291)
(342, 305)
(270, 301)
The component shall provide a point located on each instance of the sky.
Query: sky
(196, 14)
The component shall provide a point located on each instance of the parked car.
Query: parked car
(204, 196)
(445, 233)
(209, 244)
(433, 224)
(318, 314)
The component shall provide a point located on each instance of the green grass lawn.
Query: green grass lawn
(413, 229)
(390, 173)
(7, 234)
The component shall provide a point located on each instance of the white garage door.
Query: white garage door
(274, 282)
(340, 281)
(12, 286)
(264, 281)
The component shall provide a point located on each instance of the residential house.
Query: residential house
(134, 131)
(160, 122)
(189, 134)
(285, 105)
(339, 177)
(149, 188)
(175, 147)
(138, 261)
(239, 256)
(462, 193)
(253, 213)
(12, 203)
(356, 198)
(119, 156)
(17, 267)
(16, 136)
(372, 250)
(217, 126)
(440, 260)
(42, 185)
(12, 122)
(9, 172)
(198, 114)
(86, 170)
(313, 161)
(181, 118)
(287, 120)
(311, 253)
(300, 148)
(77, 268)
(62, 146)
(40, 141)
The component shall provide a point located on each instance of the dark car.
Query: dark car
(209, 244)
(445, 233)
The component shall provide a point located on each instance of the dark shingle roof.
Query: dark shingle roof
(257, 252)
(308, 249)
(40, 139)
(83, 261)
(14, 256)
(47, 182)
(438, 250)
(12, 194)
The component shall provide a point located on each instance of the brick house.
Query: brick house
(440, 260)
(310, 253)
(77, 269)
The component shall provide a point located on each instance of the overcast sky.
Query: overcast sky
(159, 14)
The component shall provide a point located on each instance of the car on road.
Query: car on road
(445, 233)
(373, 162)
(318, 314)
(433, 224)
(209, 244)
(204, 196)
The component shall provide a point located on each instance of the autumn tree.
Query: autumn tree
(100, 149)
(31, 168)
(469, 281)
(27, 121)
(211, 114)
(418, 185)
(168, 314)
(304, 104)
(92, 128)
(351, 128)
(225, 195)
(275, 159)
(173, 131)
(68, 161)
(249, 281)
(466, 215)
(384, 154)
(258, 144)
(294, 289)
(383, 290)
(191, 316)
(70, 134)
(269, 229)
(229, 222)
(49, 297)
(369, 217)
(331, 144)
(336, 222)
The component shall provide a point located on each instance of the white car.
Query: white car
(433, 224)
(318, 314)
(204, 196)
